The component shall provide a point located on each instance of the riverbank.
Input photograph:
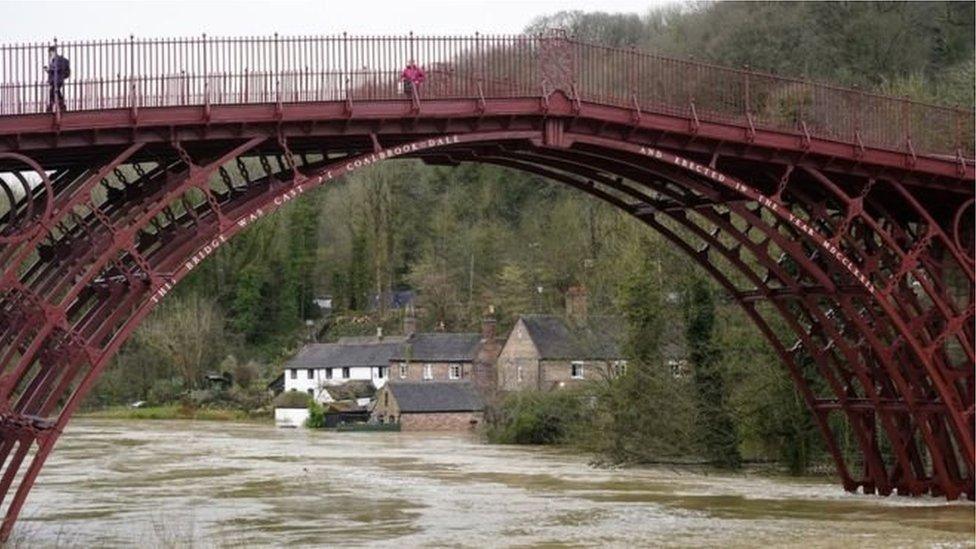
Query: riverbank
(174, 412)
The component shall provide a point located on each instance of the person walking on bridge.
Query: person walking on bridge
(412, 76)
(58, 71)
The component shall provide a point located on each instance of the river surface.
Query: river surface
(208, 484)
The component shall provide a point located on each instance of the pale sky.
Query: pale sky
(41, 21)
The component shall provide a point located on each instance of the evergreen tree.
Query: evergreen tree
(717, 430)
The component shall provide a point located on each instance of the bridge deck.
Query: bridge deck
(144, 73)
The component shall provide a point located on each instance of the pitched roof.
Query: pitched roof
(370, 339)
(337, 355)
(597, 338)
(440, 347)
(436, 396)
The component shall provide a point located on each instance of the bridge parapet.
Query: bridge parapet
(137, 73)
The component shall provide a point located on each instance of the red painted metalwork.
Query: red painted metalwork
(843, 227)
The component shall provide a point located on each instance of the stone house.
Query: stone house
(429, 405)
(546, 352)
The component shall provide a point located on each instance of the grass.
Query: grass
(169, 411)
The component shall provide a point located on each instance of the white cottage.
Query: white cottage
(321, 365)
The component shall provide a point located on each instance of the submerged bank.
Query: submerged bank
(177, 483)
(173, 412)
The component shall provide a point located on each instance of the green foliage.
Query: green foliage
(538, 418)
(246, 305)
(316, 415)
(644, 416)
(639, 299)
(870, 44)
(717, 429)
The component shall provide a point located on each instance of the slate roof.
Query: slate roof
(439, 347)
(337, 355)
(597, 338)
(435, 396)
(370, 339)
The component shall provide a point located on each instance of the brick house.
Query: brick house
(546, 352)
(429, 405)
(450, 357)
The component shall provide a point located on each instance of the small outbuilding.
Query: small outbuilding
(430, 405)
(291, 409)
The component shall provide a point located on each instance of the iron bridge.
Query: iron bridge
(841, 221)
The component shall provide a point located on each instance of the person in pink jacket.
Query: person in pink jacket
(412, 76)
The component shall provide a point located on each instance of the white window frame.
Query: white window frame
(573, 369)
(454, 371)
(403, 370)
(379, 373)
(428, 372)
(518, 373)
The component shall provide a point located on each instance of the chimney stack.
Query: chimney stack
(576, 304)
(488, 324)
(484, 376)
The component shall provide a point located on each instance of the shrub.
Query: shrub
(316, 415)
(537, 418)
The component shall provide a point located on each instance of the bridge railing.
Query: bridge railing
(131, 73)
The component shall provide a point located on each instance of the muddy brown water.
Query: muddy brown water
(115, 483)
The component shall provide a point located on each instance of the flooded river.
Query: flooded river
(176, 484)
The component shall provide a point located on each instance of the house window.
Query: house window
(386, 399)
(311, 374)
(294, 373)
(345, 373)
(311, 392)
(403, 371)
(577, 370)
(380, 372)
(619, 367)
(428, 371)
(518, 373)
(454, 372)
(328, 373)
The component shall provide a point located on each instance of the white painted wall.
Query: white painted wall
(299, 380)
(290, 417)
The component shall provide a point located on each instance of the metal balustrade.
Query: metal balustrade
(111, 74)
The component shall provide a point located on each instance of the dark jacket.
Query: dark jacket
(58, 70)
